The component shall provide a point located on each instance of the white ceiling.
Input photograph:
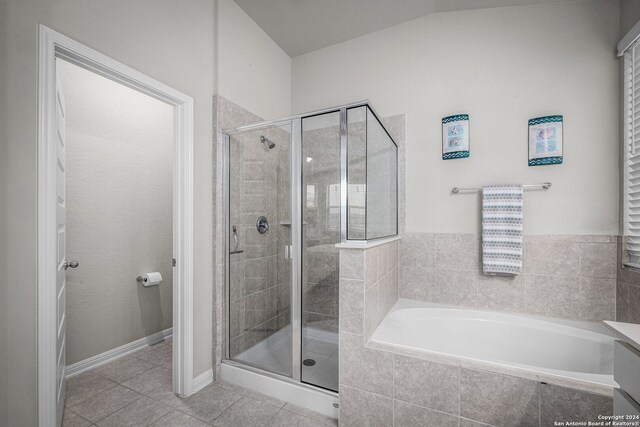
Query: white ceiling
(301, 26)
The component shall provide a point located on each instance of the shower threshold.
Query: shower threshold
(273, 354)
(316, 399)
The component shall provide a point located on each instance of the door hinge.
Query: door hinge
(173, 262)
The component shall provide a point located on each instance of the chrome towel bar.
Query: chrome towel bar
(544, 186)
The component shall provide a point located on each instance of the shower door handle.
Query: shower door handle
(287, 252)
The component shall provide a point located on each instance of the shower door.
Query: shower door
(321, 231)
(260, 256)
(284, 220)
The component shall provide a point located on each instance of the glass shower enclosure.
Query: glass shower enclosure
(295, 188)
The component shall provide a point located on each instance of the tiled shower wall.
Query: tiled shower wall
(572, 277)
(260, 275)
(226, 115)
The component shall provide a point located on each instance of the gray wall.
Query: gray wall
(170, 41)
(119, 212)
(629, 15)
(427, 70)
(4, 152)
(253, 71)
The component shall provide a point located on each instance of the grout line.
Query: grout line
(425, 407)
(226, 409)
(77, 415)
(140, 396)
(476, 422)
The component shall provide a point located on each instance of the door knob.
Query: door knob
(70, 264)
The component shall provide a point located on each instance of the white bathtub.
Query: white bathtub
(562, 352)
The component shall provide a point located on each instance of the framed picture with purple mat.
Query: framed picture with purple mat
(455, 137)
(545, 141)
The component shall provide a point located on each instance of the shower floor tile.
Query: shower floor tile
(154, 404)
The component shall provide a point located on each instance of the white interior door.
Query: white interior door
(51, 202)
(62, 264)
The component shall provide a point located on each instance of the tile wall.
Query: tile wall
(381, 387)
(226, 115)
(384, 388)
(368, 287)
(257, 275)
(571, 277)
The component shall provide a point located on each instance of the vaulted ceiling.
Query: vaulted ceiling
(301, 26)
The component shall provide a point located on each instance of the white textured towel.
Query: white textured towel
(502, 229)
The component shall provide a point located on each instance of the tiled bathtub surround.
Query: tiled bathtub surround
(628, 290)
(571, 277)
(379, 387)
(390, 389)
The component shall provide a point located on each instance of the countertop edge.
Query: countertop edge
(629, 331)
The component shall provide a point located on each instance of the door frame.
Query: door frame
(52, 45)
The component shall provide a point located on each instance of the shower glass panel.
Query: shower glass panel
(372, 177)
(357, 173)
(260, 334)
(321, 203)
(382, 180)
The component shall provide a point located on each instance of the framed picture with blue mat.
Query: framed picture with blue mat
(545, 141)
(455, 137)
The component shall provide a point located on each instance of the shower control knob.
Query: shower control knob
(70, 264)
(262, 225)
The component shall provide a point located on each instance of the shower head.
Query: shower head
(267, 142)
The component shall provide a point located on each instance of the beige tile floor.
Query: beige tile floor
(135, 391)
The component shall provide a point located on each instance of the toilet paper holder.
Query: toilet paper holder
(149, 279)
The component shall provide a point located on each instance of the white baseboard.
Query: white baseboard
(202, 380)
(111, 355)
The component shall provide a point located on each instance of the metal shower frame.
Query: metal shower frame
(296, 161)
